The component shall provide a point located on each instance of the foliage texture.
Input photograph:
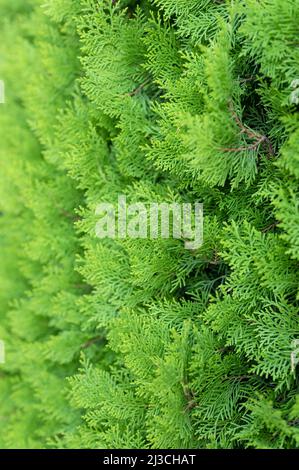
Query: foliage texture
(139, 343)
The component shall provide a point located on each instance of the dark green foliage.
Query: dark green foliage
(140, 343)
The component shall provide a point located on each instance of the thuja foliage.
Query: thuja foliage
(140, 343)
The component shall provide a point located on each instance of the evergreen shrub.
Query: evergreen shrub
(140, 343)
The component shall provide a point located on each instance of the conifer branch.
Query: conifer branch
(68, 215)
(190, 397)
(163, 339)
(139, 88)
(253, 135)
(270, 227)
(90, 342)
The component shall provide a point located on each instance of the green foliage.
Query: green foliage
(140, 343)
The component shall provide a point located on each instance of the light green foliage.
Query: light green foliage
(140, 343)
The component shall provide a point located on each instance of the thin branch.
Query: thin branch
(188, 394)
(92, 341)
(253, 135)
(294, 422)
(139, 88)
(68, 215)
(240, 377)
(269, 227)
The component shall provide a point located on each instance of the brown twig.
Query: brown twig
(91, 341)
(269, 227)
(139, 88)
(253, 135)
(215, 260)
(246, 79)
(293, 422)
(188, 394)
(86, 288)
(240, 377)
(68, 215)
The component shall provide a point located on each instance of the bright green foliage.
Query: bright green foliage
(140, 343)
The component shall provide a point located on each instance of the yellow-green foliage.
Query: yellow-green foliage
(140, 343)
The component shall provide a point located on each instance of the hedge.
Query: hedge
(141, 343)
